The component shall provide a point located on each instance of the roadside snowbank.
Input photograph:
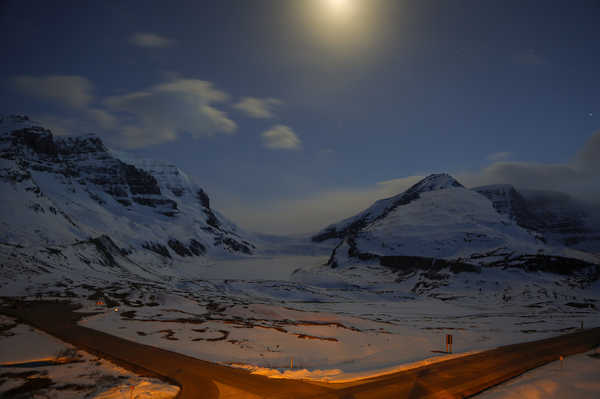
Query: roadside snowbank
(143, 390)
(578, 379)
(339, 376)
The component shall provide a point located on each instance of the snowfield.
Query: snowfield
(346, 328)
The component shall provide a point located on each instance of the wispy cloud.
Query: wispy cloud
(499, 156)
(135, 119)
(161, 112)
(281, 137)
(147, 39)
(578, 176)
(88, 120)
(260, 108)
(69, 90)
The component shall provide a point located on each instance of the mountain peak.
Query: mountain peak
(436, 181)
(14, 118)
(9, 123)
(380, 209)
(20, 130)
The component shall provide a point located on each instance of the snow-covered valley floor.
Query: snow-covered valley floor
(282, 342)
(328, 325)
(290, 317)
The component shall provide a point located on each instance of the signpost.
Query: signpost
(562, 362)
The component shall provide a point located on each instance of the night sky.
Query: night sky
(296, 113)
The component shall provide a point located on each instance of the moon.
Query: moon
(345, 28)
(340, 8)
(338, 4)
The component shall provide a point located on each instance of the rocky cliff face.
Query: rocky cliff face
(508, 201)
(555, 216)
(63, 190)
(81, 160)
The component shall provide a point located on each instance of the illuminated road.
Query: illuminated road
(457, 378)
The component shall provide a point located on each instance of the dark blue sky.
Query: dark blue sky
(366, 91)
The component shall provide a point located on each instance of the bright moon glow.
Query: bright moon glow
(340, 7)
(343, 27)
(338, 4)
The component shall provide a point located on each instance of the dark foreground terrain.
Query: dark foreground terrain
(457, 378)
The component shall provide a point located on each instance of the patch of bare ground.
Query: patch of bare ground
(224, 336)
(181, 321)
(280, 329)
(169, 334)
(443, 328)
(324, 323)
(22, 374)
(29, 388)
(278, 324)
(306, 336)
(75, 387)
(5, 329)
(560, 330)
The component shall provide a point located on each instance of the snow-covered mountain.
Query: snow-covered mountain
(75, 210)
(440, 222)
(67, 193)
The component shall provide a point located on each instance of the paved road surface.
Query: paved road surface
(457, 378)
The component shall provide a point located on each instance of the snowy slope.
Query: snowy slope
(74, 192)
(382, 207)
(449, 223)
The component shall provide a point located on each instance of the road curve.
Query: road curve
(194, 376)
(456, 378)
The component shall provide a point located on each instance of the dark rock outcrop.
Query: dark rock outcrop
(197, 248)
(203, 198)
(508, 201)
(157, 248)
